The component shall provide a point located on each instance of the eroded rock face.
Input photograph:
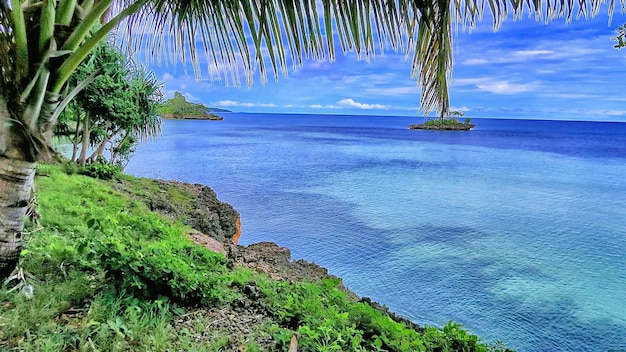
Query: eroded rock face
(237, 234)
(212, 216)
(205, 213)
(219, 229)
(275, 261)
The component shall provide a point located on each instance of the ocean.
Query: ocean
(516, 229)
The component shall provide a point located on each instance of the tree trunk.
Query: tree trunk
(100, 150)
(115, 149)
(16, 186)
(17, 173)
(76, 140)
(82, 159)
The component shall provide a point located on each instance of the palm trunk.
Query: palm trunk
(17, 173)
(16, 186)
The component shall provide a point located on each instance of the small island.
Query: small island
(446, 124)
(178, 108)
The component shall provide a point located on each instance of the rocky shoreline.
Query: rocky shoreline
(455, 127)
(217, 226)
(211, 117)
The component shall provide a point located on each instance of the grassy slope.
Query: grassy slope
(109, 275)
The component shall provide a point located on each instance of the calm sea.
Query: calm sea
(517, 229)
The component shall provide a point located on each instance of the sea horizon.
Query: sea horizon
(521, 116)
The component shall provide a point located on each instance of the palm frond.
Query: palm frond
(262, 36)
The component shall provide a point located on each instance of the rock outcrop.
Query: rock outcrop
(455, 127)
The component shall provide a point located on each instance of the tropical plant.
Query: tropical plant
(118, 108)
(43, 42)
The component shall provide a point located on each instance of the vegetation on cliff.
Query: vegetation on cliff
(178, 107)
(102, 271)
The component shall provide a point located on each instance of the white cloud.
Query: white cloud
(608, 112)
(230, 103)
(504, 87)
(167, 76)
(190, 97)
(493, 86)
(350, 103)
(170, 93)
(468, 81)
(573, 96)
(516, 56)
(393, 91)
(460, 108)
(528, 53)
(475, 62)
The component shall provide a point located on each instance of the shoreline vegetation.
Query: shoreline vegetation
(457, 127)
(178, 108)
(113, 257)
(445, 124)
(210, 116)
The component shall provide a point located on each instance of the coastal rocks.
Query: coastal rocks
(217, 227)
(207, 242)
(210, 117)
(195, 204)
(237, 234)
(275, 261)
(212, 216)
(455, 127)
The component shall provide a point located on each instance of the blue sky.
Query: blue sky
(525, 70)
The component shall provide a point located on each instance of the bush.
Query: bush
(442, 122)
(101, 171)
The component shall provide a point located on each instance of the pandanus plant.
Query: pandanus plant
(42, 42)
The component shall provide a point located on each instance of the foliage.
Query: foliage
(101, 171)
(117, 109)
(442, 122)
(620, 38)
(179, 107)
(108, 270)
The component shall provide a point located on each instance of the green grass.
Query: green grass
(110, 275)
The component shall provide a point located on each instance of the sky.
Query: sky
(526, 70)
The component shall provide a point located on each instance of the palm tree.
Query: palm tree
(43, 41)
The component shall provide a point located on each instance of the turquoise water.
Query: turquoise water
(517, 229)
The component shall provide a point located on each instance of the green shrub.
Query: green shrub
(101, 171)
(442, 122)
(143, 257)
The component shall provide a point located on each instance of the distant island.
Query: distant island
(446, 124)
(179, 108)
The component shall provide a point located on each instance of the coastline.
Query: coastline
(218, 227)
(207, 117)
(168, 250)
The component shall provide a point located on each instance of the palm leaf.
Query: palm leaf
(258, 37)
